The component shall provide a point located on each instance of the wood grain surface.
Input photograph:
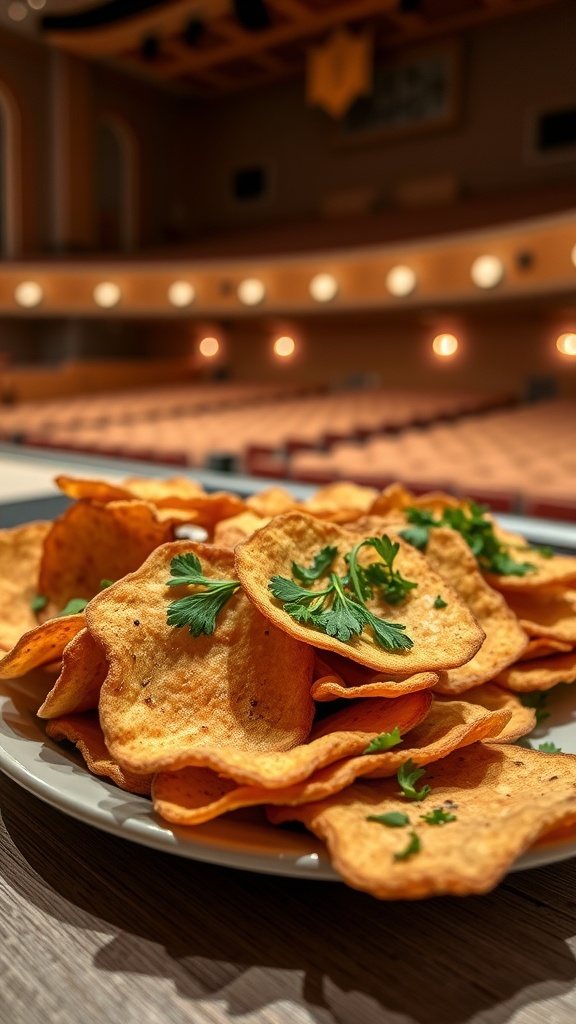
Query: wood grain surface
(97, 929)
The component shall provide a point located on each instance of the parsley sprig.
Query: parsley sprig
(478, 532)
(199, 610)
(339, 609)
(408, 775)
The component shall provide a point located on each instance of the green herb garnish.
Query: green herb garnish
(339, 609)
(408, 775)
(414, 846)
(198, 611)
(536, 700)
(438, 817)
(392, 819)
(104, 584)
(440, 603)
(384, 741)
(38, 603)
(549, 748)
(74, 606)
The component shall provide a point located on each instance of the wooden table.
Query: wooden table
(95, 929)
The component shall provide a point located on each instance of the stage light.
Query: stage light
(106, 294)
(17, 11)
(209, 347)
(181, 293)
(400, 281)
(252, 14)
(284, 346)
(28, 294)
(566, 344)
(445, 345)
(36, 5)
(251, 291)
(323, 287)
(487, 271)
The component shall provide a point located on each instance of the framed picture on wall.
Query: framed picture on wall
(414, 91)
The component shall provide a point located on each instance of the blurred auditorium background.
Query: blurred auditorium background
(304, 240)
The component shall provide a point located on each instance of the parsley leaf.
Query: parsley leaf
(320, 565)
(104, 584)
(38, 603)
(414, 846)
(438, 817)
(537, 700)
(440, 603)
(200, 610)
(392, 819)
(363, 579)
(408, 775)
(74, 606)
(549, 748)
(384, 741)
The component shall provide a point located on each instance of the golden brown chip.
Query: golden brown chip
(330, 687)
(396, 497)
(78, 686)
(503, 800)
(492, 697)
(540, 674)
(194, 795)
(548, 613)
(340, 502)
(271, 502)
(450, 556)
(90, 542)
(40, 646)
(84, 731)
(168, 694)
(20, 554)
(441, 638)
(548, 571)
(93, 490)
(230, 532)
(541, 647)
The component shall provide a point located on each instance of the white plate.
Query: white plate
(240, 840)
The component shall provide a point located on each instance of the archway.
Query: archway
(116, 185)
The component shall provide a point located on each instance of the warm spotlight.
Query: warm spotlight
(106, 294)
(209, 347)
(284, 346)
(17, 11)
(323, 287)
(181, 293)
(566, 344)
(251, 291)
(400, 281)
(445, 345)
(487, 271)
(28, 294)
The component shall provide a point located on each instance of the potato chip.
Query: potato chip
(230, 532)
(20, 554)
(541, 647)
(492, 697)
(548, 570)
(83, 671)
(540, 674)
(442, 638)
(271, 502)
(89, 543)
(502, 800)
(194, 795)
(340, 502)
(40, 646)
(331, 687)
(548, 613)
(84, 731)
(396, 497)
(167, 693)
(450, 556)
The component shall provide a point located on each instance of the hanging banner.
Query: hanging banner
(339, 71)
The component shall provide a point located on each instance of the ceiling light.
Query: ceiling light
(28, 294)
(323, 287)
(181, 293)
(566, 344)
(284, 346)
(251, 291)
(487, 271)
(17, 11)
(106, 294)
(400, 281)
(445, 345)
(209, 347)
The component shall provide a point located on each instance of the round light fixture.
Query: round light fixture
(487, 271)
(445, 345)
(181, 294)
(106, 294)
(36, 5)
(566, 344)
(28, 294)
(400, 281)
(209, 347)
(17, 11)
(323, 287)
(284, 346)
(251, 291)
